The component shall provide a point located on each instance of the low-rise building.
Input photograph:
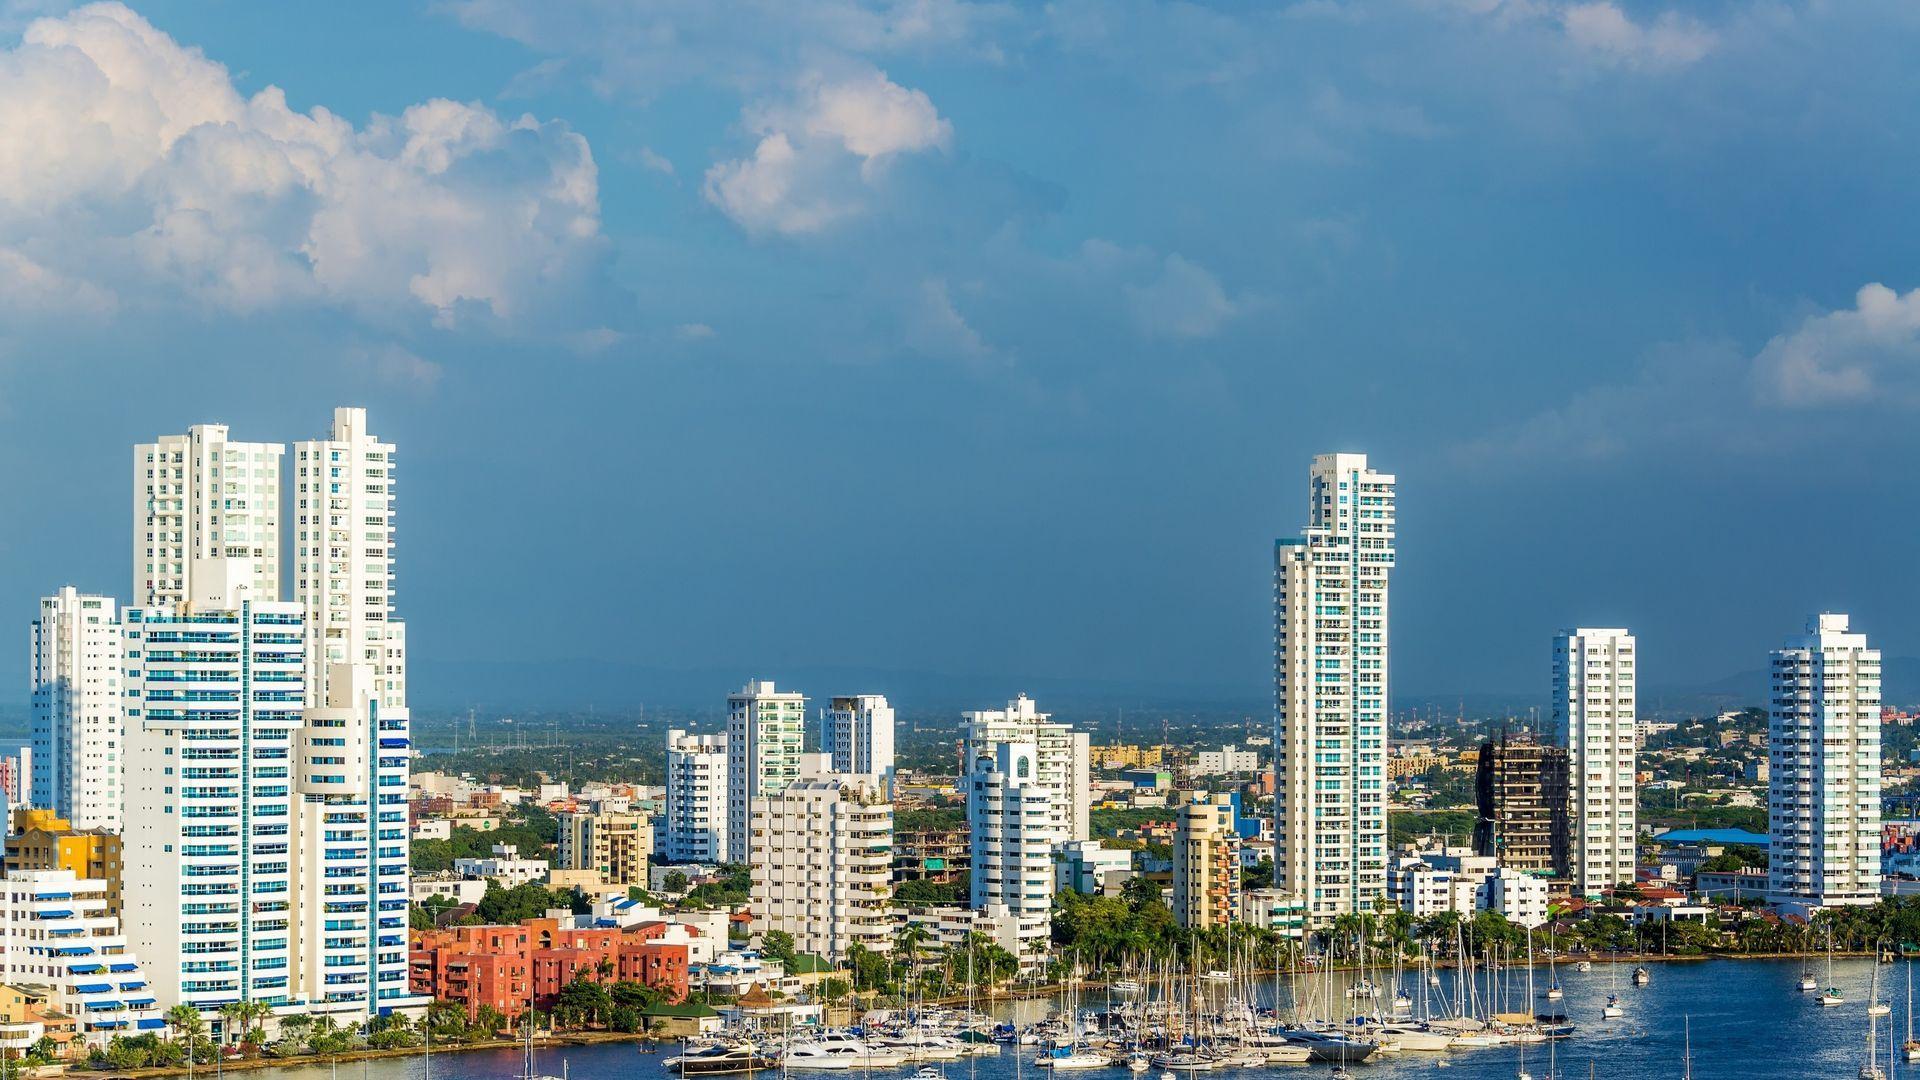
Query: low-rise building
(1088, 866)
(505, 866)
(60, 934)
(502, 966)
(43, 840)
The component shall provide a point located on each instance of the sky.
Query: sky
(992, 340)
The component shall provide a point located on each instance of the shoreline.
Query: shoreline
(561, 1041)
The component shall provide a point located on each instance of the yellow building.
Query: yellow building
(614, 844)
(1126, 756)
(1206, 861)
(43, 840)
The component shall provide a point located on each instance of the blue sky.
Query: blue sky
(993, 340)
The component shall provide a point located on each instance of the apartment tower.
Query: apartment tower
(1330, 691)
(200, 497)
(343, 569)
(764, 732)
(696, 819)
(822, 864)
(1823, 785)
(858, 733)
(1206, 862)
(78, 745)
(1594, 673)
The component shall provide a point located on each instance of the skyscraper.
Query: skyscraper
(1522, 793)
(1823, 787)
(764, 733)
(343, 570)
(1206, 861)
(1013, 825)
(78, 745)
(858, 733)
(696, 830)
(1594, 674)
(200, 496)
(1063, 759)
(1330, 691)
(207, 852)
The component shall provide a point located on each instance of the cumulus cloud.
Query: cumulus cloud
(1184, 300)
(1669, 40)
(822, 152)
(1713, 397)
(131, 164)
(1869, 353)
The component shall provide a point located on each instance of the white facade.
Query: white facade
(1823, 789)
(1224, 761)
(214, 692)
(343, 571)
(1090, 867)
(200, 497)
(351, 848)
(823, 865)
(858, 732)
(1330, 691)
(1522, 898)
(1427, 883)
(764, 732)
(696, 830)
(1064, 759)
(78, 745)
(505, 865)
(1011, 818)
(1594, 675)
(60, 935)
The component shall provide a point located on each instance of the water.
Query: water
(1748, 1023)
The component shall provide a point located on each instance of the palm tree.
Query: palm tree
(185, 1019)
(233, 1017)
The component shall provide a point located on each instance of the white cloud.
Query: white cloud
(1670, 40)
(654, 161)
(1184, 300)
(822, 152)
(1827, 372)
(393, 364)
(693, 331)
(934, 327)
(1866, 354)
(131, 163)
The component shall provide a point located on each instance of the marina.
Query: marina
(1730, 1019)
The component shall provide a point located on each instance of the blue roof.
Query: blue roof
(1713, 836)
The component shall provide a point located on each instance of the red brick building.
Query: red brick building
(501, 965)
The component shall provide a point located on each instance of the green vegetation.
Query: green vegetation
(929, 819)
(916, 893)
(1456, 826)
(1735, 858)
(733, 891)
(532, 829)
(1108, 823)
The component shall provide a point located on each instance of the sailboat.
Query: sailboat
(1870, 1069)
(1911, 1048)
(1831, 996)
(1807, 983)
(1686, 1054)
(1612, 1010)
(1875, 1006)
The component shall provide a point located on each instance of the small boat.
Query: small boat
(1641, 976)
(1363, 989)
(1137, 1062)
(1066, 1058)
(1584, 965)
(1832, 996)
(928, 1072)
(1807, 984)
(1880, 1008)
(1125, 986)
(1186, 1061)
(1554, 993)
(720, 1059)
(1217, 976)
(1402, 1002)
(1612, 1010)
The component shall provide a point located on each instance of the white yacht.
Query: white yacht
(836, 1050)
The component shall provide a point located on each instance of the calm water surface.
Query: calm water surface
(1748, 1023)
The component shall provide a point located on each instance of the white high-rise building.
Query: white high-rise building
(1063, 759)
(214, 690)
(858, 733)
(198, 497)
(696, 829)
(1014, 827)
(1330, 691)
(1823, 786)
(351, 850)
(78, 747)
(823, 864)
(764, 733)
(1594, 676)
(61, 934)
(343, 529)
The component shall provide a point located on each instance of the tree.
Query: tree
(834, 991)
(584, 1000)
(778, 945)
(674, 883)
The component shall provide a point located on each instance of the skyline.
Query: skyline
(996, 408)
